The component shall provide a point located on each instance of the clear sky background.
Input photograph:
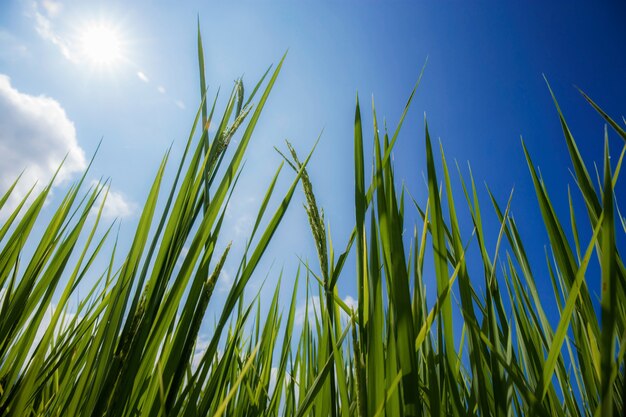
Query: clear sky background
(482, 89)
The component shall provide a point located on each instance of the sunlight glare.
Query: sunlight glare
(101, 45)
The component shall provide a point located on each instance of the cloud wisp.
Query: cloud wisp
(11, 48)
(52, 7)
(44, 27)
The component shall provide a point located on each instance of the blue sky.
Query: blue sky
(482, 90)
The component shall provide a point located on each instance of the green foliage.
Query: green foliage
(128, 347)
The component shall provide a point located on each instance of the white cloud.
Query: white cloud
(273, 380)
(225, 281)
(313, 310)
(243, 225)
(65, 317)
(181, 258)
(239, 215)
(202, 343)
(143, 77)
(116, 205)
(179, 104)
(36, 135)
(351, 302)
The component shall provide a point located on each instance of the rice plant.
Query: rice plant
(127, 348)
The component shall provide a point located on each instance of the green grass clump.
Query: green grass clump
(128, 347)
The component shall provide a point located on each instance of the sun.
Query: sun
(101, 45)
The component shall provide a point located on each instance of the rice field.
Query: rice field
(485, 346)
